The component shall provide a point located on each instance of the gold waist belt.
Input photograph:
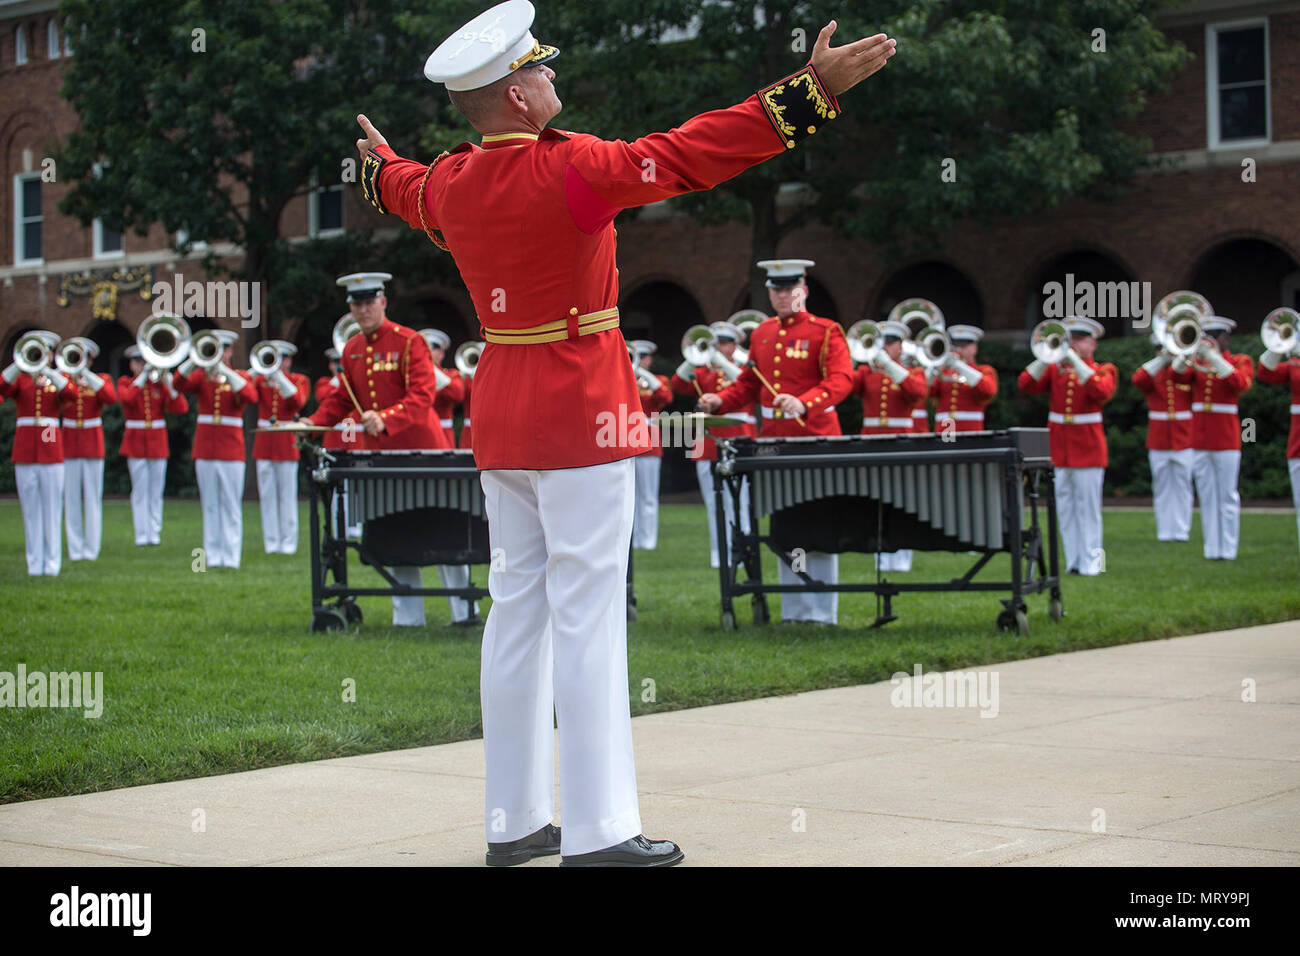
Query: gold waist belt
(557, 331)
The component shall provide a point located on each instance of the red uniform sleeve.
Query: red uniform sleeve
(1143, 381)
(1242, 375)
(1277, 376)
(176, 404)
(334, 407)
(681, 386)
(107, 394)
(1032, 386)
(126, 391)
(741, 393)
(1102, 383)
(837, 372)
(248, 394)
(6, 390)
(416, 406)
(914, 386)
(987, 388)
(189, 383)
(455, 390)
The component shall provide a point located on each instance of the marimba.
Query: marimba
(958, 491)
(415, 508)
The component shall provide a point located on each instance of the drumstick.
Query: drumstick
(774, 392)
(352, 394)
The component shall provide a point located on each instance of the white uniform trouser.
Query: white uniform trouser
(83, 506)
(277, 493)
(704, 473)
(1294, 465)
(457, 576)
(221, 488)
(408, 610)
(812, 606)
(1216, 488)
(40, 494)
(645, 521)
(1078, 508)
(148, 475)
(894, 560)
(557, 634)
(1171, 492)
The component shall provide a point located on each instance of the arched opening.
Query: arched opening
(1087, 283)
(112, 339)
(441, 314)
(1245, 279)
(944, 285)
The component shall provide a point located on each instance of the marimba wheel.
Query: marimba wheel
(328, 619)
(728, 621)
(1055, 608)
(353, 613)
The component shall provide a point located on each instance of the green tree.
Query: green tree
(1029, 103)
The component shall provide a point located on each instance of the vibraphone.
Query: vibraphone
(960, 492)
(415, 508)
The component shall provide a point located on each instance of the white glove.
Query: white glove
(972, 375)
(647, 379)
(1269, 360)
(237, 381)
(281, 382)
(1036, 369)
(1153, 367)
(686, 371)
(1179, 365)
(10, 374)
(140, 380)
(440, 378)
(1222, 367)
(54, 378)
(334, 382)
(1080, 366)
(892, 369)
(92, 381)
(187, 367)
(730, 370)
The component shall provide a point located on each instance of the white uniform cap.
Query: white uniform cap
(436, 338)
(643, 347)
(964, 333)
(897, 329)
(132, 351)
(285, 348)
(363, 285)
(49, 338)
(1217, 323)
(1079, 324)
(492, 45)
(227, 337)
(332, 354)
(785, 272)
(726, 330)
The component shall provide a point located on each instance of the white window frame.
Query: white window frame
(99, 252)
(19, 222)
(67, 36)
(20, 44)
(1212, 30)
(52, 39)
(313, 211)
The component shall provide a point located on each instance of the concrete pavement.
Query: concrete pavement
(1144, 754)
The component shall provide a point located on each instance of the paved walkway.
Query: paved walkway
(1151, 744)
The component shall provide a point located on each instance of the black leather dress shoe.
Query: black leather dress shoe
(637, 851)
(545, 842)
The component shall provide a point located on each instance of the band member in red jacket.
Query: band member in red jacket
(387, 370)
(1216, 436)
(1276, 368)
(280, 396)
(37, 456)
(529, 218)
(1166, 381)
(805, 360)
(83, 458)
(655, 396)
(708, 380)
(144, 442)
(890, 394)
(218, 451)
(961, 388)
(1078, 388)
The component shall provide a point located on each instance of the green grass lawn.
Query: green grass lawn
(216, 672)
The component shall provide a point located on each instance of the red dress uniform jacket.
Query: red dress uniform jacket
(802, 355)
(1287, 373)
(145, 434)
(274, 407)
(445, 402)
(1169, 407)
(391, 372)
(962, 404)
(711, 380)
(326, 385)
(1074, 422)
(83, 433)
(466, 424)
(219, 433)
(38, 439)
(1215, 425)
(887, 407)
(651, 403)
(529, 220)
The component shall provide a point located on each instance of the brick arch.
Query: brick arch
(948, 285)
(1244, 276)
(1108, 266)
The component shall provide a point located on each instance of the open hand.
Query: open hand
(844, 67)
(373, 136)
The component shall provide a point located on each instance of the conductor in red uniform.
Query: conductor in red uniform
(798, 368)
(528, 215)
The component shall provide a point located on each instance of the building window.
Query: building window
(67, 36)
(325, 211)
(1237, 73)
(183, 242)
(52, 39)
(108, 240)
(20, 44)
(28, 219)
